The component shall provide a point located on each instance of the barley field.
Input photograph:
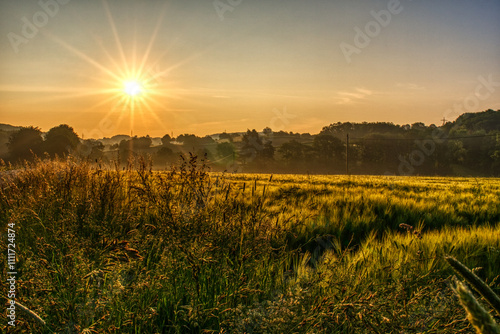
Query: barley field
(106, 249)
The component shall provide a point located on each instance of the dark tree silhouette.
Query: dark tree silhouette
(61, 140)
(134, 146)
(470, 145)
(91, 149)
(255, 152)
(267, 151)
(165, 140)
(267, 131)
(252, 145)
(189, 141)
(164, 155)
(25, 143)
(328, 148)
(292, 151)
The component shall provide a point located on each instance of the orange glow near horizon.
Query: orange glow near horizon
(109, 68)
(135, 85)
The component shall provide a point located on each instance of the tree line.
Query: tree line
(468, 146)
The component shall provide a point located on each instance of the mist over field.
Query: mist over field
(468, 146)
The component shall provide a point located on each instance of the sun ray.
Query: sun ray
(36, 89)
(70, 96)
(134, 50)
(109, 99)
(153, 38)
(133, 89)
(169, 111)
(153, 113)
(118, 108)
(117, 38)
(111, 58)
(132, 116)
(121, 116)
(82, 56)
(188, 59)
(63, 93)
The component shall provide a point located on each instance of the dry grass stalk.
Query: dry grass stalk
(35, 316)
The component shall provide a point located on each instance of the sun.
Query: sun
(132, 88)
(133, 84)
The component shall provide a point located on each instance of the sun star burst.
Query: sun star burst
(132, 88)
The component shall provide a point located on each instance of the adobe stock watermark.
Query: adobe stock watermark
(372, 29)
(483, 90)
(30, 29)
(281, 119)
(104, 127)
(154, 76)
(223, 6)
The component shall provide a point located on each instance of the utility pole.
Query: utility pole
(347, 155)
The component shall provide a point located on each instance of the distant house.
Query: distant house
(215, 137)
(238, 139)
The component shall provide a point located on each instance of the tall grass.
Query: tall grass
(105, 249)
(476, 314)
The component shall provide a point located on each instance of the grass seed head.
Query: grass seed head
(476, 314)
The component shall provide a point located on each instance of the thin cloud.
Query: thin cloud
(364, 91)
(409, 85)
(354, 96)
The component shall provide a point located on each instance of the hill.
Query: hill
(8, 127)
(487, 121)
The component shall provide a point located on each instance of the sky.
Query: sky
(205, 67)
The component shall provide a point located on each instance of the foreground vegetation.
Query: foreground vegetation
(102, 249)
